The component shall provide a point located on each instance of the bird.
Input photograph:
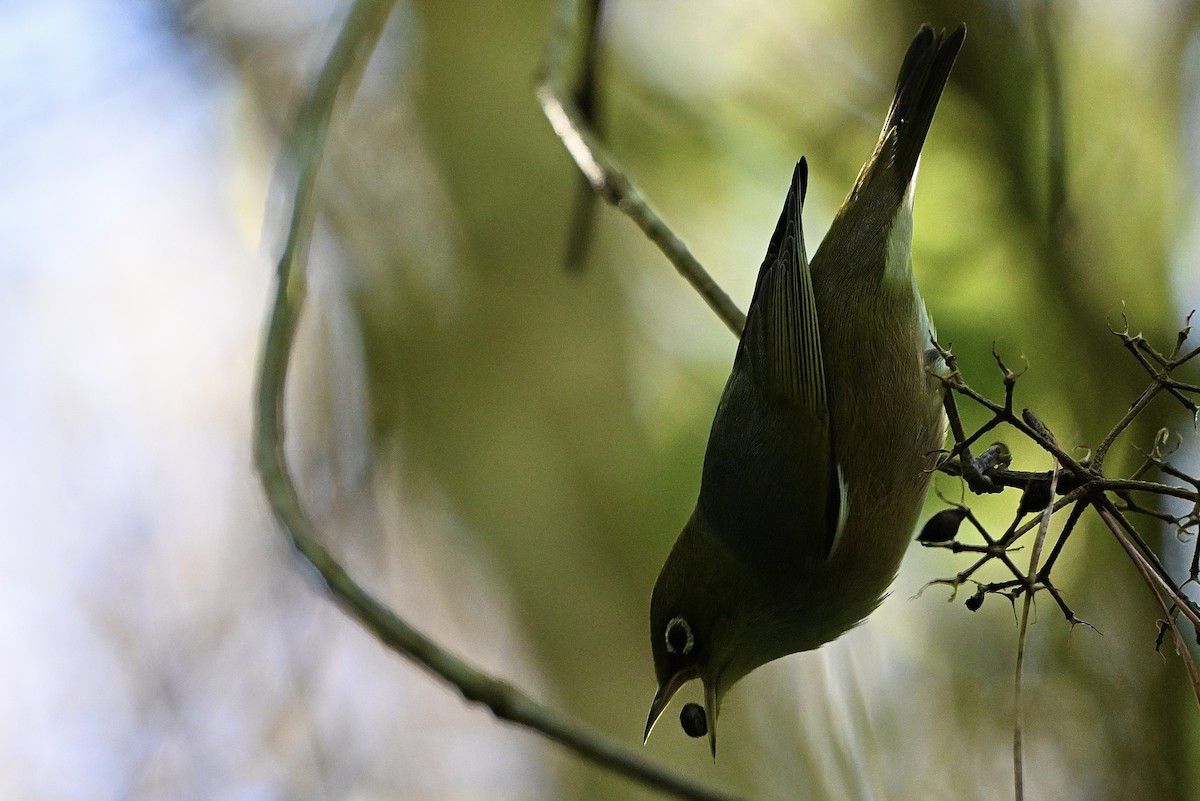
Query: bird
(826, 433)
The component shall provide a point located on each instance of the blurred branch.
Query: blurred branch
(606, 178)
(1057, 211)
(587, 101)
(338, 79)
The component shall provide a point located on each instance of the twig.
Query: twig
(1152, 582)
(1056, 168)
(1027, 424)
(587, 101)
(1144, 558)
(1022, 636)
(339, 76)
(606, 178)
(1072, 520)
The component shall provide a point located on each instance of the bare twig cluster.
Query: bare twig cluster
(1072, 487)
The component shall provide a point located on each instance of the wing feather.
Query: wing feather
(772, 491)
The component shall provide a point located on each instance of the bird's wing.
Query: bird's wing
(781, 342)
(772, 491)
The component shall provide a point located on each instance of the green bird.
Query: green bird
(822, 445)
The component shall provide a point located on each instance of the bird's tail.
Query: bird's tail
(919, 87)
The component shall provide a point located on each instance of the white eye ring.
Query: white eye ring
(687, 645)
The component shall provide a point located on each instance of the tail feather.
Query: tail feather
(919, 86)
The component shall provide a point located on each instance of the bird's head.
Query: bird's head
(683, 643)
(715, 619)
(697, 624)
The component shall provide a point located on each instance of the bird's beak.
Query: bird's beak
(664, 695)
(710, 709)
(667, 691)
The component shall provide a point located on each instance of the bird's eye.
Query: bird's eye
(679, 637)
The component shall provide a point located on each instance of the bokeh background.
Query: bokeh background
(505, 451)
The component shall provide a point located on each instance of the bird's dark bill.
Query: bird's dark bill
(667, 691)
(664, 695)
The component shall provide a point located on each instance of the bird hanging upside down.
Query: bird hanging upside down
(820, 452)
